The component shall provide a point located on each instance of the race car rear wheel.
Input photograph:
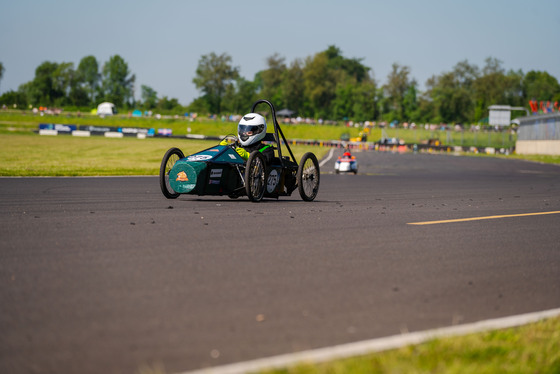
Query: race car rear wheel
(308, 177)
(169, 159)
(255, 176)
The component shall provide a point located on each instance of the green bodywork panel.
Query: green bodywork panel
(210, 172)
(185, 175)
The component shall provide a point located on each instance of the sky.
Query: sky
(163, 41)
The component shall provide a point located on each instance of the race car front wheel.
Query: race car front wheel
(255, 176)
(308, 177)
(169, 159)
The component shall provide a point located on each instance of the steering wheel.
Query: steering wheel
(231, 140)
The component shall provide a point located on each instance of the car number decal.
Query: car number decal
(272, 181)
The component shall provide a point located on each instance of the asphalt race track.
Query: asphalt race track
(105, 275)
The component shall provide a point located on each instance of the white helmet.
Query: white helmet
(251, 129)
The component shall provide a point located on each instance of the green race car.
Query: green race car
(220, 170)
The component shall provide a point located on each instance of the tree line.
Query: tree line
(325, 85)
(62, 85)
(330, 86)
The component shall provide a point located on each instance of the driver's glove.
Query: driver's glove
(243, 153)
(224, 142)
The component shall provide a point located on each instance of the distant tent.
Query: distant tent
(106, 109)
(285, 113)
(136, 113)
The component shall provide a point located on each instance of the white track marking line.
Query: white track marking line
(374, 345)
(324, 161)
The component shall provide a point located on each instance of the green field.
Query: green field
(18, 122)
(11, 122)
(24, 153)
(65, 155)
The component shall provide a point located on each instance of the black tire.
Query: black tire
(308, 177)
(170, 158)
(255, 176)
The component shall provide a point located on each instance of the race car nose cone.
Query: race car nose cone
(183, 176)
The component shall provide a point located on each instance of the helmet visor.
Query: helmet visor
(246, 131)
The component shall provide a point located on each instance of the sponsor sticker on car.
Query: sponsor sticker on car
(215, 173)
(182, 177)
(199, 157)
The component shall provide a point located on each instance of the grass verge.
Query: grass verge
(532, 348)
(544, 159)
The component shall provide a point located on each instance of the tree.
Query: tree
(342, 104)
(397, 85)
(88, 77)
(64, 80)
(426, 111)
(198, 105)
(17, 98)
(495, 87)
(54, 84)
(213, 76)
(240, 96)
(450, 96)
(540, 86)
(320, 85)
(410, 102)
(364, 101)
(167, 104)
(1, 71)
(117, 82)
(452, 102)
(466, 74)
(352, 67)
(293, 87)
(355, 90)
(47, 86)
(514, 88)
(489, 89)
(271, 80)
(149, 97)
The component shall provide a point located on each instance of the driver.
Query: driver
(251, 130)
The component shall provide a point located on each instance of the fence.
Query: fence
(540, 127)
(539, 134)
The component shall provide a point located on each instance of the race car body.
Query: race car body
(346, 164)
(214, 171)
